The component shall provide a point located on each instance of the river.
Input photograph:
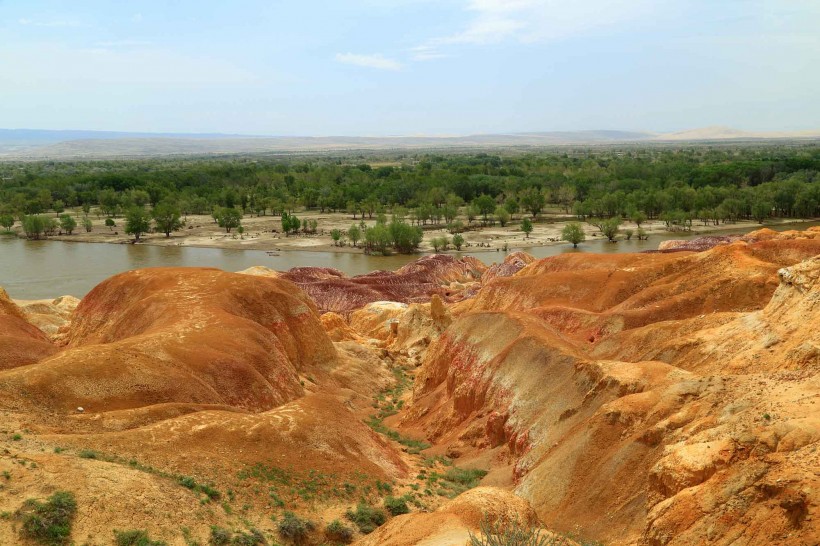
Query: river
(46, 269)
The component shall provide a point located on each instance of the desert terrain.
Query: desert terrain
(655, 398)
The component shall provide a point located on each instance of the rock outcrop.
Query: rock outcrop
(670, 392)
(417, 281)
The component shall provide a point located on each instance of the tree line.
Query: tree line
(675, 185)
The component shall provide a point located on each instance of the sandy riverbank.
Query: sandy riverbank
(263, 233)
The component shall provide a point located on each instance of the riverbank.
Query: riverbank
(264, 233)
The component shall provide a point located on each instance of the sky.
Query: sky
(409, 67)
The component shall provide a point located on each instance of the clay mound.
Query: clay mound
(452, 523)
(632, 290)
(180, 335)
(698, 244)
(512, 264)
(51, 316)
(766, 234)
(414, 282)
(316, 433)
(21, 343)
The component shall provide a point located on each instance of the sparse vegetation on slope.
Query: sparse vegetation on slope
(49, 522)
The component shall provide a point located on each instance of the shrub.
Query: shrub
(396, 505)
(252, 537)
(49, 522)
(219, 536)
(295, 528)
(339, 532)
(515, 534)
(187, 481)
(136, 537)
(366, 517)
(88, 454)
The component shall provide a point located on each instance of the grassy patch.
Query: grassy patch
(49, 522)
(339, 532)
(413, 446)
(135, 537)
(286, 487)
(396, 505)
(294, 528)
(366, 517)
(454, 481)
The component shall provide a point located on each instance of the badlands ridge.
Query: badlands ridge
(670, 397)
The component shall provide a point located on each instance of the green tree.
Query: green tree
(7, 221)
(439, 243)
(336, 235)
(458, 241)
(137, 222)
(502, 215)
(34, 226)
(761, 209)
(109, 223)
(228, 218)
(485, 206)
(610, 228)
(87, 224)
(512, 206)
(354, 234)
(67, 223)
(526, 227)
(533, 201)
(404, 237)
(167, 217)
(573, 233)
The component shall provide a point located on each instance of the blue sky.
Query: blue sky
(390, 67)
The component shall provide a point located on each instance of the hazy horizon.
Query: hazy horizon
(379, 68)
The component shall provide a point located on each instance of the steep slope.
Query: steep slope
(621, 385)
(21, 342)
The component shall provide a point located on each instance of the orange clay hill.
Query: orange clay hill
(658, 398)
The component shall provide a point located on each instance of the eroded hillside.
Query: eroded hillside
(659, 398)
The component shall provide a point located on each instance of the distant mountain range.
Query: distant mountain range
(44, 144)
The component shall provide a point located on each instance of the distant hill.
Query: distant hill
(42, 144)
(727, 133)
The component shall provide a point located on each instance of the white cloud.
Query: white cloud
(528, 21)
(370, 61)
(426, 53)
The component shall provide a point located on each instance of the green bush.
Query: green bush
(366, 517)
(135, 537)
(219, 536)
(339, 532)
(253, 537)
(49, 522)
(295, 528)
(515, 534)
(396, 506)
(88, 454)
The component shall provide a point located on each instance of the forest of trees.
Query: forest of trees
(677, 186)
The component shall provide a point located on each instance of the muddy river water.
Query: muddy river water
(46, 269)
